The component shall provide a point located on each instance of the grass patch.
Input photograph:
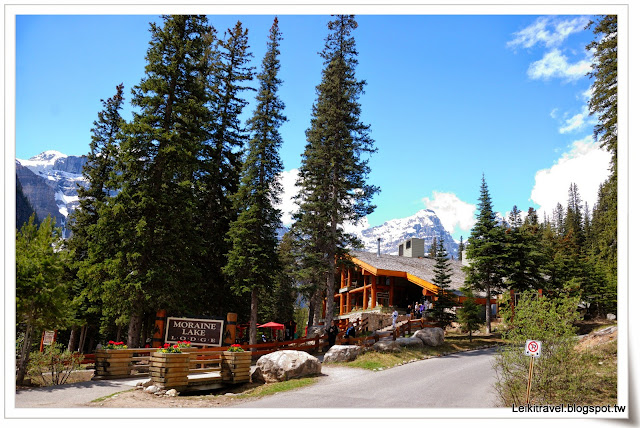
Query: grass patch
(273, 388)
(601, 383)
(373, 360)
(98, 400)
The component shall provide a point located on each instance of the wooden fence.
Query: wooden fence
(111, 364)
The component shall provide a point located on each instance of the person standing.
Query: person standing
(394, 318)
(332, 333)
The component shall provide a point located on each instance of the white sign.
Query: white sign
(533, 348)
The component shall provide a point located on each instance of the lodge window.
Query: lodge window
(408, 245)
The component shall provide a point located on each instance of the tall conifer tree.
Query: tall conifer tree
(221, 162)
(158, 223)
(253, 259)
(90, 242)
(604, 104)
(485, 251)
(333, 172)
(442, 307)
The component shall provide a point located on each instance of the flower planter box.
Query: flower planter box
(112, 364)
(235, 366)
(169, 370)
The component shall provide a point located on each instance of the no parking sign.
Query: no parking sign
(533, 348)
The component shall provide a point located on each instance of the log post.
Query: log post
(230, 329)
(158, 329)
(374, 298)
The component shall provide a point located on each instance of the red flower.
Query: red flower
(166, 345)
(176, 346)
(111, 342)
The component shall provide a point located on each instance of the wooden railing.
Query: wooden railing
(131, 362)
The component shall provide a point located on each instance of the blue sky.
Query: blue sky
(448, 97)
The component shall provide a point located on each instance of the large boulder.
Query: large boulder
(409, 341)
(284, 365)
(342, 353)
(430, 336)
(386, 346)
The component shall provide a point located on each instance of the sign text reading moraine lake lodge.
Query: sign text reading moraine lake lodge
(196, 331)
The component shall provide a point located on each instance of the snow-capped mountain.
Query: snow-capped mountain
(49, 181)
(424, 224)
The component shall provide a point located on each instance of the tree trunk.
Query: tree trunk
(83, 337)
(312, 309)
(73, 340)
(331, 286)
(317, 313)
(253, 321)
(488, 308)
(135, 324)
(145, 329)
(24, 355)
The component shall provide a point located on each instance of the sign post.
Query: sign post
(532, 348)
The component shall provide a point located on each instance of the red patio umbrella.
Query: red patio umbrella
(272, 325)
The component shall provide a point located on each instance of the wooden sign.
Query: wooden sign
(196, 331)
(49, 337)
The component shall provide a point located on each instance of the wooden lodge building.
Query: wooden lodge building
(382, 282)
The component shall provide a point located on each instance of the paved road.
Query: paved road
(458, 380)
(72, 395)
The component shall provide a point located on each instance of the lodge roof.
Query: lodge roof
(422, 268)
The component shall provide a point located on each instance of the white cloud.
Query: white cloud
(554, 113)
(451, 210)
(578, 121)
(575, 122)
(547, 31)
(287, 204)
(586, 164)
(554, 64)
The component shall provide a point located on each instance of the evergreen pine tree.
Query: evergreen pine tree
(279, 305)
(469, 314)
(221, 163)
(460, 249)
(333, 173)
(485, 251)
(523, 255)
(156, 214)
(91, 243)
(604, 104)
(253, 259)
(42, 301)
(442, 309)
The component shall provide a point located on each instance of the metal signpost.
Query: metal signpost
(532, 348)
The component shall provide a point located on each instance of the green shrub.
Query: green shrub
(54, 365)
(557, 375)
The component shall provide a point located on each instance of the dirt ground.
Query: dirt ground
(139, 399)
(598, 338)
